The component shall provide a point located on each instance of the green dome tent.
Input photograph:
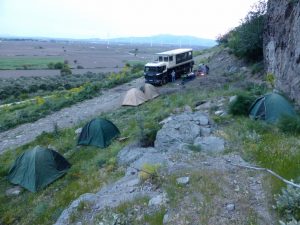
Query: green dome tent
(37, 168)
(98, 132)
(271, 107)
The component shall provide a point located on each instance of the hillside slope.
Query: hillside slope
(197, 181)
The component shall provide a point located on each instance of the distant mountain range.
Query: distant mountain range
(163, 39)
(166, 39)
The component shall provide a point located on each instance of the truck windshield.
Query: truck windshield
(156, 69)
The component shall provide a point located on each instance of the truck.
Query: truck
(178, 60)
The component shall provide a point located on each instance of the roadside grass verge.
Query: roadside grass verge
(91, 167)
(30, 63)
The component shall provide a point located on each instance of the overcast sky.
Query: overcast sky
(120, 18)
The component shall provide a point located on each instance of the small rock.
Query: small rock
(78, 131)
(219, 112)
(158, 200)
(205, 131)
(206, 163)
(183, 180)
(237, 188)
(210, 144)
(177, 110)
(230, 207)
(15, 191)
(204, 106)
(166, 219)
(203, 120)
(232, 99)
(244, 69)
(187, 108)
(166, 120)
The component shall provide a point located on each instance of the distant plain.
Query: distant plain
(30, 57)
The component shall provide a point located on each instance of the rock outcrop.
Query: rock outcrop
(185, 176)
(282, 45)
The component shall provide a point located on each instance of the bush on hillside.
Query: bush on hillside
(241, 105)
(137, 68)
(289, 124)
(246, 40)
(292, 222)
(58, 66)
(288, 203)
(65, 70)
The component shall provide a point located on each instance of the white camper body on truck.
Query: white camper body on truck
(178, 60)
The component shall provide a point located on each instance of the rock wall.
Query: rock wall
(282, 45)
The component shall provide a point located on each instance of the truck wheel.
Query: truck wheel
(164, 80)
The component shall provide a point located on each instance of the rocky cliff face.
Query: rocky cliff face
(282, 45)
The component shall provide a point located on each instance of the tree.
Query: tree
(246, 40)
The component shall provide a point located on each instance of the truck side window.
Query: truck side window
(170, 58)
(166, 59)
(160, 58)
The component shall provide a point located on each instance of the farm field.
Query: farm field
(30, 58)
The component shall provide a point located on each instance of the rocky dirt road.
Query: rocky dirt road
(109, 100)
(67, 117)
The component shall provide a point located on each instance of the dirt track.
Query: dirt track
(109, 100)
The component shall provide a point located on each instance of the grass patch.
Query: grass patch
(267, 146)
(289, 124)
(242, 104)
(199, 194)
(31, 63)
(91, 167)
(155, 218)
(131, 213)
(260, 143)
(149, 172)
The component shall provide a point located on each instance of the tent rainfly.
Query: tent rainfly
(134, 97)
(150, 91)
(271, 107)
(37, 168)
(98, 132)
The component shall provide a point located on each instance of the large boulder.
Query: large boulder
(181, 130)
(210, 144)
(282, 45)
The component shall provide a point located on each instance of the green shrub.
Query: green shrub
(51, 66)
(288, 202)
(149, 171)
(241, 105)
(65, 70)
(58, 65)
(289, 124)
(246, 40)
(292, 222)
(270, 78)
(137, 68)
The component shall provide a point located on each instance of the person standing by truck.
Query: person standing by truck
(173, 75)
